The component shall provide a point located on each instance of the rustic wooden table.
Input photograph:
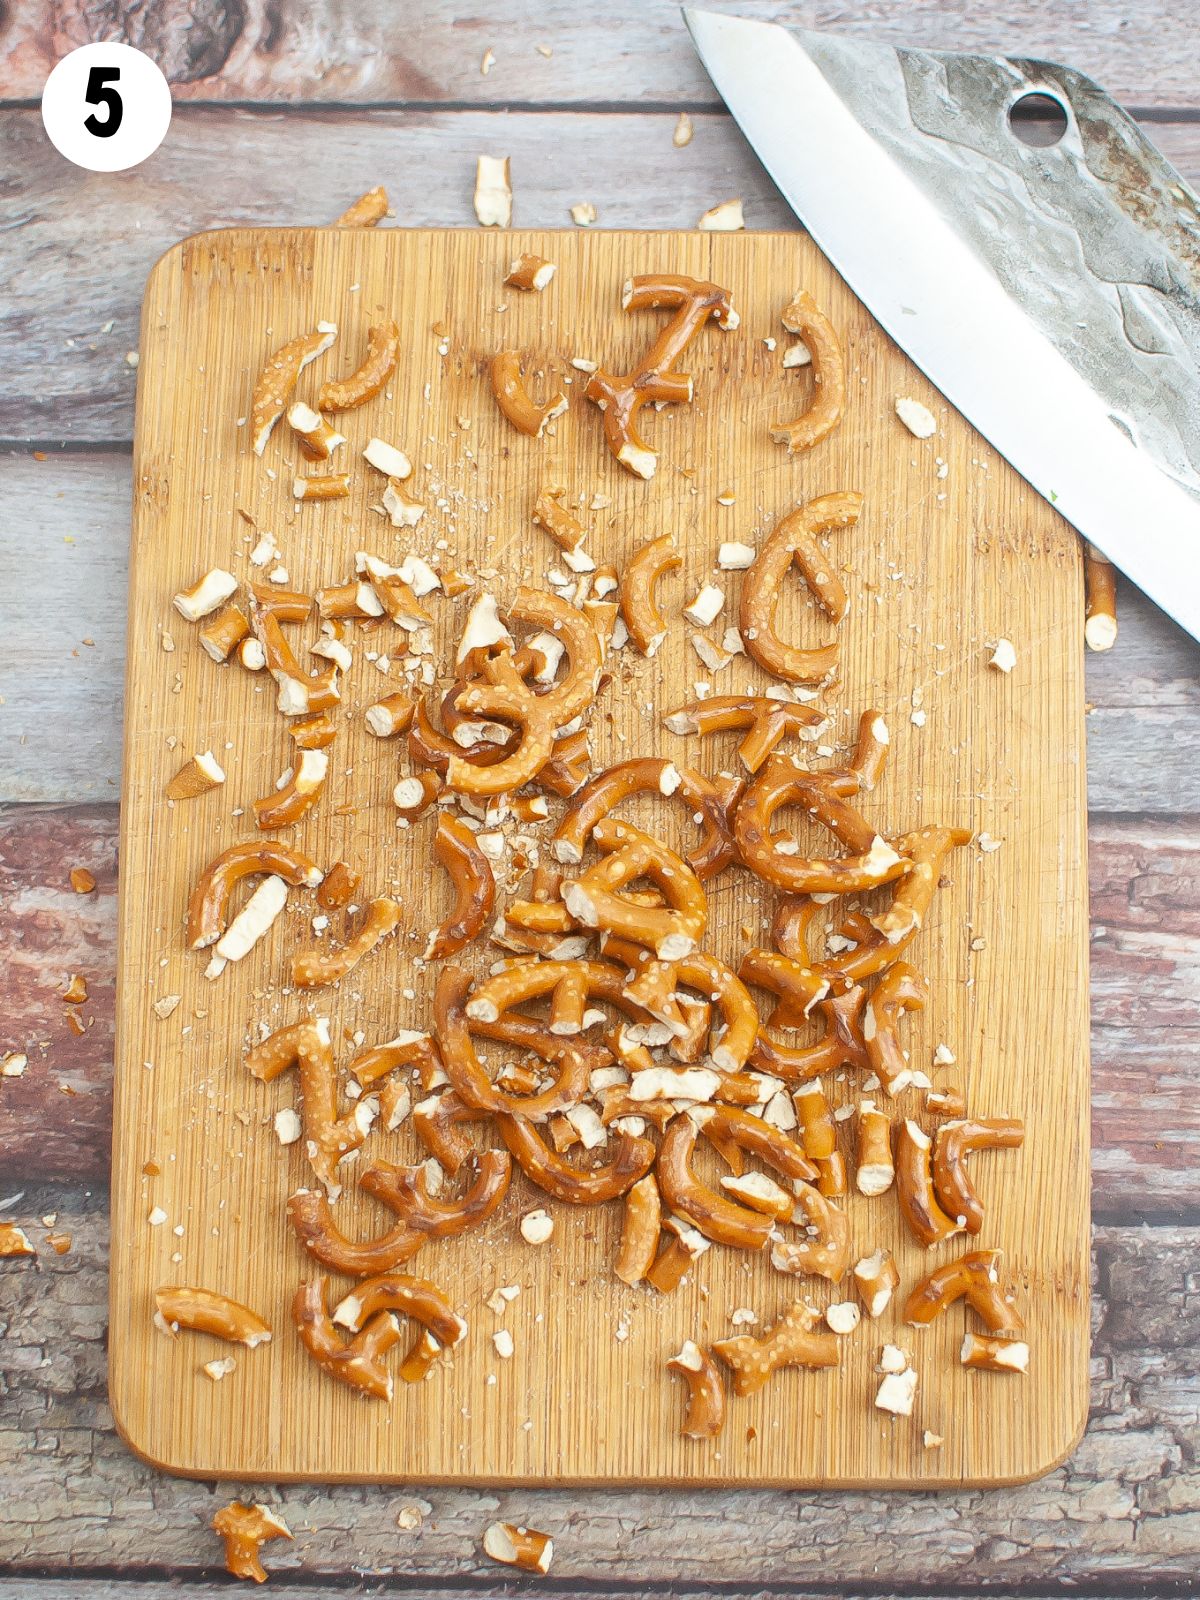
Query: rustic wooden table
(285, 111)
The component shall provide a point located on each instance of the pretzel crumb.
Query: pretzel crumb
(932, 1441)
(530, 273)
(82, 880)
(843, 1317)
(196, 777)
(1004, 656)
(897, 1392)
(726, 217)
(583, 214)
(683, 131)
(216, 1370)
(14, 1241)
(537, 1227)
(515, 1546)
(503, 1342)
(917, 418)
(493, 192)
(13, 1065)
(245, 1529)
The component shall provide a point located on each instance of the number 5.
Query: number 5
(99, 94)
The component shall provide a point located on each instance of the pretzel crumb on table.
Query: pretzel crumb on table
(515, 1546)
(366, 211)
(245, 1529)
(585, 1043)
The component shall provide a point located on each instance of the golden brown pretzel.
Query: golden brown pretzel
(366, 211)
(647, 775)
(317, 966)
(767, 720)
(286, 806)
(358, 1361)
(704, 1414)
(804, 317)
(825, 1248)
(975, 1278)
(406, 1050)
(822, 795)
(871, 749)
(345, 394)
(401, 1295)
(456, 848)
(672, 931)
(205, 1311)
(222, 633)
(405, 1191)
(952, 1144)
(639, 605)
(436, 1121)
(819, 1138)
(631, 1160)
(899, 990)
(552, 516)
(298, 693)
(639, 1231)
(568, 767)
(208, 907)
(620, 398)
(526, 981)
(514, 399)
(245, 1529)
(792, 1342)
(716, 1217)
(466, 1072)
(794, 541)
(841, 1044)
(798, 987)
(313, 733)
(790, 927)
(1100, 587)
(311, 1217)
(328, 1137)
(274, 385)
(875, 1167)
(917, 1198)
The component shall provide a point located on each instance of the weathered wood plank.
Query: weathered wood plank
(81, 244)
(1145, 879)
(1124, 1507)
(638, 52)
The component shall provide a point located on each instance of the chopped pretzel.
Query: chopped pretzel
(515, 401)
(804, 317)
(274, 385)
(516, 1546)
(404, 1190)
(795, 541)
(767, 720)
(639, 607)
(346, 394)
(245, 1529)
(299, 795)
(529, 272)
(205, 1311)
(899, 990)
(782, 783)
(630, 1160)
(311, 1217)
(639, 1232)
(655, 380)
(974, 1278)
(1100, 583)
(456, 848)
(328, 1137)
(919, 1207)
(208, 907)
(952, 1143)
(326, 486)
(366, 211)
(793, 1341)
(704, 1415)
(316, 966)
(317, 438)
(988, 1353)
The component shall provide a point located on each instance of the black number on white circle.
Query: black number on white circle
(100, 92)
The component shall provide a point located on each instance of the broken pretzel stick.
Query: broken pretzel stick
(515, 401)
(205, 1311)
(275, 383)
(1100, 584)
(639, 605)
(305, 781)
(975, 1278)
(804, 317)
(245, 1529)
(346, 394)
(704, 1414)
(314, 967)
(456, 848)
(366, 211)
(952, 1143)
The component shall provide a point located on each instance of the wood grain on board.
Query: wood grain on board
(558, 53)
(69, 297)
(997, 753)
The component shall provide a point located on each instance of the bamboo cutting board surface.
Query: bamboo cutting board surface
(952, 551)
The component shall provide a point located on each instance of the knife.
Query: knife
(1052, 294)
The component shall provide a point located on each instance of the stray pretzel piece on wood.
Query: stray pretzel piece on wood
(974, 1278)
(311, 1217)
(792, 1342)
(328, 1137)
(952, 1143)
(704, 1415)
(655, 380)
(639, 606)
(346, 394)
(366, 211)
(456, 848)
(516, 1546)
(1100, 584)
(358, 1361)
(205, 1311)
(208, 907)
(514, 399)
(245, 1529)
(314, 967)
(273, 388)
(804, 317)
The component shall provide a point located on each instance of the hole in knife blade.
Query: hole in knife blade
(1038, 120)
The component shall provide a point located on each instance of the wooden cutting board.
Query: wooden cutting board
(952, 551)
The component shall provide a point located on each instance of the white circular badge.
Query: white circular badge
(106, 107)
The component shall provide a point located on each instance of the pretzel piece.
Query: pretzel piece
(413, 796)
(347, 394)
(629, 1161)
(316, 438)
(206, 1311)
(553, 518)
(825, 1248)
(274, 385)
(639, 1231)
(208, 907)
(285, 806)
(639, 604)
(222, 633)
(648, 775)
(315, 967)
(841, 1045)
(311, 1217)
(915, 1193)
(514, 399)
(975, 1278)
(1100, 585)
(529, 272)
(516, 1546)
(620, 398)
(245, 1529)
(456, 848)
(704, 1413)
(952, 1143)
(328, 1137)
(876, 1277)
(793, 1341)
(900, 989)
(405, 1191)
(804, 317)
(823, 796)
(987, 1353)
(768, 721)
(358, 1361)
(715, 1216)
(366, 211)
(794, 540)
(875, 1167)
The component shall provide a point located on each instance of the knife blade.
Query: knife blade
(1052, 294)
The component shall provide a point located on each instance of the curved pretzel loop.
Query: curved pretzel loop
(804, 317)
(631, 1160)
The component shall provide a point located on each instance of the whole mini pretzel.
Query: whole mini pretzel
(976, 1278)
(208, 907)
(456, 848)
(794, 541)
(245, 1529)
(274, 385)
(404, 1190)
(793, 1341)
(767, 720)
(328, 1137)
(822, 795)
(639, 605)
(655, 380)
(630, 1160)
(804, 317)
(915, 1193)
(952, 1144)
(900, 989)
(317, 966)
(311, 1217)
(346, 394)
(514, 399)
(704, 1414)
(205, 1311)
